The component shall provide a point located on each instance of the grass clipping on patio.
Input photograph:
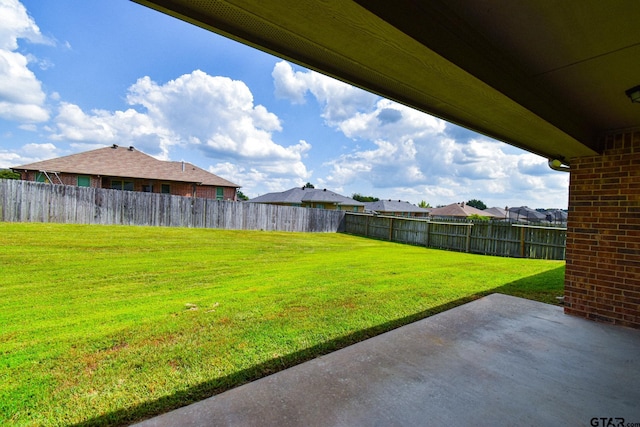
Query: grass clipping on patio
(104, 325)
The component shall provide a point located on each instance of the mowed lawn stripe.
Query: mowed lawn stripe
(109, 324)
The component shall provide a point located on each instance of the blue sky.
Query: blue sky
(78, 75)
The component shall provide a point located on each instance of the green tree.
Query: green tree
(360, 198)
(309, 185)
(478, 204)
(476, 217)
(8, 174)
(423, 204)
(240, 195)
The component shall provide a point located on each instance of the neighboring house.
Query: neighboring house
(458, 211)
(396, 208)
(526, 214)
(498, 213)
(124, 168)
(556, 216)
(311, 198)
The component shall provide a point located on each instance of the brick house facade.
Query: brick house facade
(602, 279)
(124, 168)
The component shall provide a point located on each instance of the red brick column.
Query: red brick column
(602, 279)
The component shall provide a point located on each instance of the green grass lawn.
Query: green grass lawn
(109, 324)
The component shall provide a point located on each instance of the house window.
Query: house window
(122, 185)
(219, 193)
(319, 205)
(165, 189)
(355, 209)
(84, 181)
(40, 177)
(147, 188)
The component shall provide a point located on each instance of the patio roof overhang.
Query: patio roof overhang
(547, 77)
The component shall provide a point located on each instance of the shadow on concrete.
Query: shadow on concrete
(541, 287)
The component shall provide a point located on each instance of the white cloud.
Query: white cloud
(40, 151)
(450, 171)
(403, 152)
(340, 101)
(31, 127)
(17, 24)
(120, 127)
(259, 180)
(9, 158)
(28, 153)
(215, 116)
(289, 85)
(21, 95)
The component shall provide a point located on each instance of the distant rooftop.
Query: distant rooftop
(394, 206)
(306, 195)
(497, 212)
(127, 162)
(459, 210)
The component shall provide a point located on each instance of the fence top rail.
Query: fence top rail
(470, 224)
(404, 218)
(542, 227)
(388, 216)
(499, 222)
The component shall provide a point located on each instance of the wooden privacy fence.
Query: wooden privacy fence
(23, 201)
(490, 238)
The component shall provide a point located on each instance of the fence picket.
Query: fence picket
(23, 201)
(490, 238)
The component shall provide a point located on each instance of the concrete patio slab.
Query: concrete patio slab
(499, 360)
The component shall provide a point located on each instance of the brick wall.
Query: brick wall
(603, 238)
(210, 192)
(176, 188)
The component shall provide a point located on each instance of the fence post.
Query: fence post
(391, 229)
(468, 240)
(522, 242)
(23, 201)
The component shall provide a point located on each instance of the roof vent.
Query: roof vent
(131, 148)
(114, 146)
(324, 189)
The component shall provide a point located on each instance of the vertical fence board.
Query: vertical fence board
(489, 238)
(22, 201)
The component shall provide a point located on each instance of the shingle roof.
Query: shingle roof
(306, 195)
(526, 213)
(327, 196)
(394, 206)
(497, 212)
(127, 163)
(459, 210)
(293, 195)
(556, 214)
